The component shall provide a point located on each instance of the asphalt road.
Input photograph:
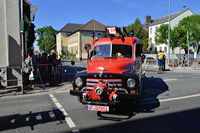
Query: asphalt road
(170, 103)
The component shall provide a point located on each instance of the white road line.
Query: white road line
(169, 79)
(51, 114)
(179, 98)
(153, 100)
(27, 119)
(68, 120)
(75, 131)
(38, 117)
(12, 121)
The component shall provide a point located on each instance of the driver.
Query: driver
(119, 54)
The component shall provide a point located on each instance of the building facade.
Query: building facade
(72, 37)
(153, 25)
(13, 14)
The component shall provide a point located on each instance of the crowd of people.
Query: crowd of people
(40, 68)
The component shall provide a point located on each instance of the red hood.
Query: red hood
(118, 65)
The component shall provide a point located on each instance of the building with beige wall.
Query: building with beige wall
(72, 37)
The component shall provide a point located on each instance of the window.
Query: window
(165, 50)
(105, 50)
(99, 35)
(150, 30)
(150, 40)
(160, 48)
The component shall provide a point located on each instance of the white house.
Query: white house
(152, 25)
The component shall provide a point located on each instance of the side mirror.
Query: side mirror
(72, 62)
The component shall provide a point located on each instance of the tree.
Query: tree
(29, 35)
(191, 24)
(47, 38)
(162, 36)
(139, 32)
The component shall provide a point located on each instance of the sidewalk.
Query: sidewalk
(17, 91)
(154, 68)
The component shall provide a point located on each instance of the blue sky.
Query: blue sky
(57, 13)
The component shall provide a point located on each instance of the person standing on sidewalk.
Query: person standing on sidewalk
(183, 61)
(28, 68)
(161, 60)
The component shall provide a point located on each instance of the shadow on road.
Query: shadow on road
(30, 120)
(153, 87)
(179, 122)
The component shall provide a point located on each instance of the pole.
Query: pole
(169, 9)
(22, 41)
(188, 48)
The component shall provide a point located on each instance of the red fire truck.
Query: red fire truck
(114, 72)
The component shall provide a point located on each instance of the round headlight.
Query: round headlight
(78, 81)
(131, 82)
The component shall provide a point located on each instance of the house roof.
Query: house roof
(165, 19)
(70, 28)
(93, 25)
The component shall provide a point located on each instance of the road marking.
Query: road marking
(27, 119)
(169, 79)
(12, 121)
(179, 98)
(68, 119)
(75, 131)
(38, 117)
(155, 100)
(51, 114)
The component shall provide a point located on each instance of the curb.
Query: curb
(17, 92)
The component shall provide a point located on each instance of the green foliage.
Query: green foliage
(63, 55)
(178, 35)
(191, 24)
(139, 32)
(30, 35)
(71, 56)
(47, 38)
(162, 34)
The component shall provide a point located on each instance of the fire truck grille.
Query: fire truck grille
(113, 83)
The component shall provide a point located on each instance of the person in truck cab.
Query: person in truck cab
(119, 54)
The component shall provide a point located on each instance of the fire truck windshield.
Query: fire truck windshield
(113, 50)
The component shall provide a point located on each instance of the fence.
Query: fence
(194, 63)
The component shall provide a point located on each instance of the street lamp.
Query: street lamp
(169, 8)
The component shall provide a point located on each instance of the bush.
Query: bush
(71, 56)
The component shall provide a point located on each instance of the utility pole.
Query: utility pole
(188, 42)
(169, 10)
(22, 40)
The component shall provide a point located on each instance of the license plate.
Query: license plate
(97, 108)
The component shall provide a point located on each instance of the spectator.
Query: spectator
(183, 61)
(43, 61)
(27, 69)
(2, 74)
(52, 69)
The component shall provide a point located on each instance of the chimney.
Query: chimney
(148, 19)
